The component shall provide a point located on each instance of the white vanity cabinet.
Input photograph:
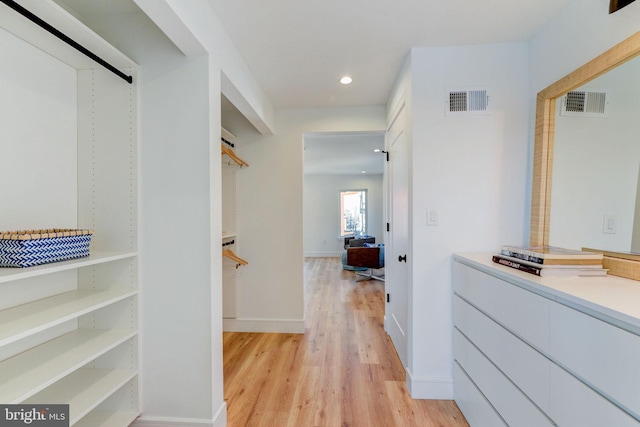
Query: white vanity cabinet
(532, 351)
(603, 356)
(69, 159)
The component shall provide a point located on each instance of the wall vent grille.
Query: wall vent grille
(467, 102)
(585, 104)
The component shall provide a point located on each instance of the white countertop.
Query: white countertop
(610, 298)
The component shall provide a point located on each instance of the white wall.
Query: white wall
(38, 107)
(582, 31)
(471, 170)
(595, 165)
(175, 166)
(321, 213)
(579, 33)
(270, 214)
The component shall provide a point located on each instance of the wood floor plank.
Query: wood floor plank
(343, 371)
(364, 338)
(304, 404)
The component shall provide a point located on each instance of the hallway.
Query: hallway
(342, 372)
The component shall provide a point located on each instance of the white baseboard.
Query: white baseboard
(430, 388)
(322, 254)
(285, 326)
(171, 422)
(220, 417)
(219, 420)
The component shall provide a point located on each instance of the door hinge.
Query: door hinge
(388, 227)
(388, 298)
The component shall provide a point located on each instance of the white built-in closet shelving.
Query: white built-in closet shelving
(229, 229)
(69, 330)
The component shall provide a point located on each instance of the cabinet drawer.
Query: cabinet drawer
(575, 404)
(513, 406)
(601, 354)
(527, 368)
(524, 313)
(475, 408)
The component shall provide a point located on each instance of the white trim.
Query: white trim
(163, 15)
(287, 326)
(219, 420)
(172, 422)
(429, 387)
(322, 254)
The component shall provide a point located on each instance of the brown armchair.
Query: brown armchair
(367, 257)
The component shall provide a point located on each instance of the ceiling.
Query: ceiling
(343, 153)
(297, 50)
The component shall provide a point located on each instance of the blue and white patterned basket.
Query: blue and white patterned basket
(27, 248)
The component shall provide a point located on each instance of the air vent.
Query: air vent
(585, 104)
(467, 102)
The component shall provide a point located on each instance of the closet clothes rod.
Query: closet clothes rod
(68, 40)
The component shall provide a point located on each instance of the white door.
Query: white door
(396, 262)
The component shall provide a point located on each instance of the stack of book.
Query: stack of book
(551, 261)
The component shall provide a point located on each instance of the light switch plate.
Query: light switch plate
(610, 224)
(432, 217)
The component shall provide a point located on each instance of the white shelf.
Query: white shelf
(96, 134)
(34, 370)
(229, 236)
(83, 390)
(107, 419)
(9, 274)
(28, 319)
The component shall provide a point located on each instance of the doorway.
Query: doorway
(336, 163)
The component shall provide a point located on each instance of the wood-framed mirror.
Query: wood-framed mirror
(619, 263)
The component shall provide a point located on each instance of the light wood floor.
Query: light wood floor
(342, 372)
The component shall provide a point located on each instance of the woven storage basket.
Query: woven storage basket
(27, 248)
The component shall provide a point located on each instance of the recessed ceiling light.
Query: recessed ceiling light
(363, 171)
(346, 80)
(377, 150)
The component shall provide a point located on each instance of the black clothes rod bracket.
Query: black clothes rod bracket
(36, 20)
(223, 140)
(233, 242)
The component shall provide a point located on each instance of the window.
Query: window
(353, 212)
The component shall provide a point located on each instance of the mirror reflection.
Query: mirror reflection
(596, 164)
